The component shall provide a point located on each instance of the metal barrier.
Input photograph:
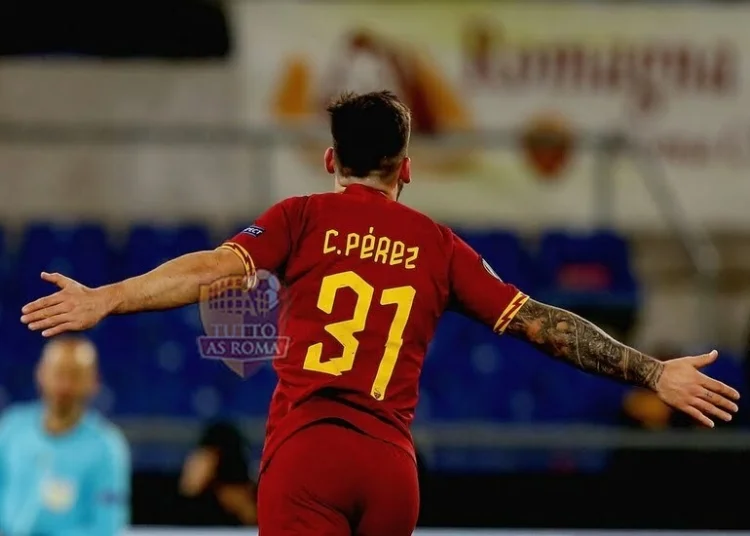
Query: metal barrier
(183, 433)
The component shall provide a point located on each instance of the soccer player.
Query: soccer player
(63, 469)
(366, 280)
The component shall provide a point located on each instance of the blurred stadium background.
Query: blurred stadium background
(596, 153)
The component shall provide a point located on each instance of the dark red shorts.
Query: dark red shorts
(332, 480)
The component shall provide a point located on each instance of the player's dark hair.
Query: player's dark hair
(370, 133)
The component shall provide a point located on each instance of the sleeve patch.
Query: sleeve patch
(111, 498)
(490, 270)
(253, 230)
(246, 259)
(510, 312)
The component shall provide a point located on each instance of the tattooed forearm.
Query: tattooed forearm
(569, 337)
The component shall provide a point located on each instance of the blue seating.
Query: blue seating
(506, 377)
(19, 353)
(251, 396)
(506, 254)
(148, 246)
(79, 251)
(585, 269)
(151, 365)
(445, 359)
(730, 369)
(477, 374)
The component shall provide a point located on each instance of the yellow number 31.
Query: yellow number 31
(345, 332)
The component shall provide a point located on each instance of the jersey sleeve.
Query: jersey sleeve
(267, 243)
(478, 292)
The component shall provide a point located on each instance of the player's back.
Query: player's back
(366, 288)
(366, 280)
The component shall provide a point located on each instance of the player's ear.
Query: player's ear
(39, 376)
(95, 385)
(329, 161)
(404, 173)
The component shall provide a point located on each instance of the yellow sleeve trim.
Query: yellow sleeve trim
(244, 256)
(510, 312)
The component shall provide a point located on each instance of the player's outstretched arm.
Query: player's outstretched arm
(678, 382)
(175, 283)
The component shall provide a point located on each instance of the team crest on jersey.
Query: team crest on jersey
(58, 495)
(253, 230)
(490, 270)
(241, 324)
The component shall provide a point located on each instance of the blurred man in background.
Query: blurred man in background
(216, 480)
(63, 468)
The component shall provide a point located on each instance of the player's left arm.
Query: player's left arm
(480, 293)
(567, 336)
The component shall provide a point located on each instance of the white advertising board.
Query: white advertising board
(673, 78)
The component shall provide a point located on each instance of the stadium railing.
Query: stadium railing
(181, 434)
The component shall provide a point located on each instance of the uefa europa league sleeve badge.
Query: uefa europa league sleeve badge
(241, 324)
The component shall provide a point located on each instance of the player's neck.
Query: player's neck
(58, 423)
(374, 183)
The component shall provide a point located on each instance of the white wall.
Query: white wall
(134, 180)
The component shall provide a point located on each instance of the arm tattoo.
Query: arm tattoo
(564, 335)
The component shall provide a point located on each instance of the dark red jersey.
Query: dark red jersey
(366, 280)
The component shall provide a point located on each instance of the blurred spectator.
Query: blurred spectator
(216, 480)
(63, 468)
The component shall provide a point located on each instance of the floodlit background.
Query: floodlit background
(596, 153)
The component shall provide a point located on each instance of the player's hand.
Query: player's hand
(74, 307)
(685, 388)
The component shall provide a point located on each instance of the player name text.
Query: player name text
(378, 248)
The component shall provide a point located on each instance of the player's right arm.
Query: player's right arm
(481, 294)
(175, 283)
